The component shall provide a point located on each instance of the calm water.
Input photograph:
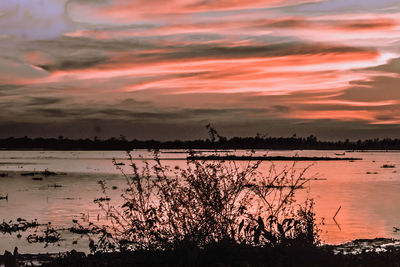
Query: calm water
(367, 194)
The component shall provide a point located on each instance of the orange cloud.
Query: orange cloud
(343, 115)
(331, 102)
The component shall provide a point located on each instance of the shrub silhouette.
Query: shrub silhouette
(207, 203)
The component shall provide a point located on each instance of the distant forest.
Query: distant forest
(258, 142)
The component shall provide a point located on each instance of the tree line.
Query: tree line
(257, 142)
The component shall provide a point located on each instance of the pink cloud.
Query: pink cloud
(123, 11)
(342, 115)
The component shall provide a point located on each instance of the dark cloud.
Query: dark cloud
(377, 89)
(52, 113)
(42, 101)
(67, 53)
(287, 23)
(9, 89)
(370, 24)
(138, 115)
(69, 45)
(109, 112)
(281, 108)
(271, 50)
(213, 112)
(384, 117)
(75, 63)
(134, 103)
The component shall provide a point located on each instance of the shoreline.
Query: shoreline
(349, 253)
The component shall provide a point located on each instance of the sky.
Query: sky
(152, 69)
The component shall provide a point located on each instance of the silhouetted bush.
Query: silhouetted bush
(205, 204)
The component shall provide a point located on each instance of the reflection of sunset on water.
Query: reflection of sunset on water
(364, 191)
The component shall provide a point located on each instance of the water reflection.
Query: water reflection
(366, 193)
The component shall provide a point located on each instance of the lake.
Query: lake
(367, 193)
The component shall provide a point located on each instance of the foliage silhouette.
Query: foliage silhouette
(258, 142)
(207, 203)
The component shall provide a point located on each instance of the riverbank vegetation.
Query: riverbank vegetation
(259, 142)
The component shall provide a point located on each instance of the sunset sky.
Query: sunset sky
(164, 69)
